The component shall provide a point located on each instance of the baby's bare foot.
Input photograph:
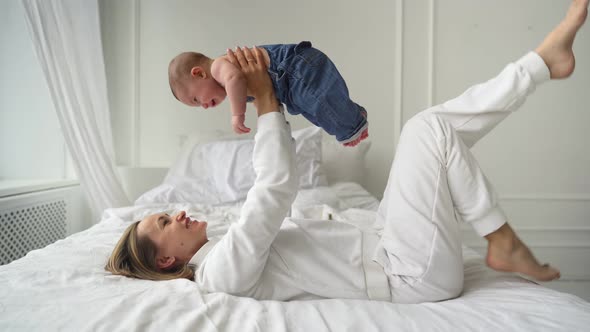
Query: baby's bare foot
(506, 252)
(556, 49)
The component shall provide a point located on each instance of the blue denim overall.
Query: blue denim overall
(308, 83)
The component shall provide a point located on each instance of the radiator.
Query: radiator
(34, 220)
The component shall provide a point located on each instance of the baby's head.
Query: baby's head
(189, 74)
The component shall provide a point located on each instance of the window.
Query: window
(32, 149)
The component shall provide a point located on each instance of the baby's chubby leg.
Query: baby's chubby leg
(318, 91)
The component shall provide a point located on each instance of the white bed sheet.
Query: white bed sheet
(64, 287)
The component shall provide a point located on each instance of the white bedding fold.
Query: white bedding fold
(64, 287)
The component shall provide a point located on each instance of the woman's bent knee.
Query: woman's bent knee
(423, 126)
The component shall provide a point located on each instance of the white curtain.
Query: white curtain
(66, 38)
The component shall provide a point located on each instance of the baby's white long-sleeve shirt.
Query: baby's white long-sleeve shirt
(269, 257)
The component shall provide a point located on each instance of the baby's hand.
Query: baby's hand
(237, 122)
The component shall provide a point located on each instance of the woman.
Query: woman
(414, 255)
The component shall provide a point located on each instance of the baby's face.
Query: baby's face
(202, 92)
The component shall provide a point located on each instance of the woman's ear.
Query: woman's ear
(198, 72)
(165, 262)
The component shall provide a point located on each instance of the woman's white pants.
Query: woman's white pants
(435, 182)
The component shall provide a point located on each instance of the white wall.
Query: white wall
(398, 57)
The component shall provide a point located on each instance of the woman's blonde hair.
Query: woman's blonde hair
(135, 257)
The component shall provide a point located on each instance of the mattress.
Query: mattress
(65, 287)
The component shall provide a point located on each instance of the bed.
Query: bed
(64, 286)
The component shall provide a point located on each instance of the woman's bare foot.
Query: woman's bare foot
(556, 49)
(507, 253)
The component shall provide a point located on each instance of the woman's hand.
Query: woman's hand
(251, 62)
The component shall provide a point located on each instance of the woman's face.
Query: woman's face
(177, 237)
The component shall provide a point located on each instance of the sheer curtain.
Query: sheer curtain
(66, 38)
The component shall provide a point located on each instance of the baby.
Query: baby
(304, 79)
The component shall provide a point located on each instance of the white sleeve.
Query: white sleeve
(235, 264)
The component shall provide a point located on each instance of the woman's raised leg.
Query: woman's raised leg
(434, 177)
(506, 252)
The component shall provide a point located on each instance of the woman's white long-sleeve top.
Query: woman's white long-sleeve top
(269, 257)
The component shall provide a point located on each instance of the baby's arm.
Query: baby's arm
(235, 85)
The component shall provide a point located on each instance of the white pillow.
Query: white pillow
(221, 171)
(181, 190)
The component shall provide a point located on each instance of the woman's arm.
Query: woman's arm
(236, 263)
(254, 68)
